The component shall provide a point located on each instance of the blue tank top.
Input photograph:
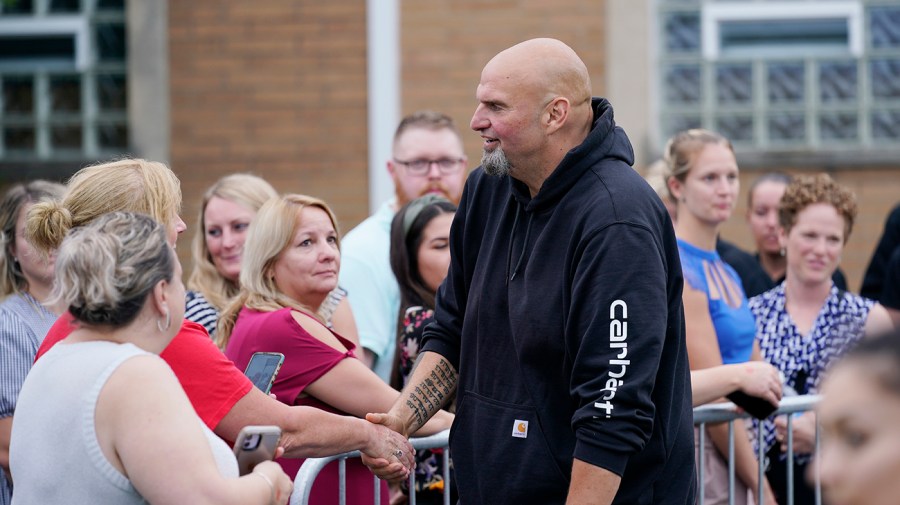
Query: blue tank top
(734, 323)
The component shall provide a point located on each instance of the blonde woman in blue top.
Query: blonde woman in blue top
(719, 328)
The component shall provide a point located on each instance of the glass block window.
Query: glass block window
(782, 76)
(63, 80)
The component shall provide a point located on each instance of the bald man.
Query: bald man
(560, 322)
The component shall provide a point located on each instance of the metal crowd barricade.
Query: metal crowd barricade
(312, 466)
(727, 412)
(706, 414)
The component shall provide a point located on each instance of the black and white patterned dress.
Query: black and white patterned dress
(804, 358)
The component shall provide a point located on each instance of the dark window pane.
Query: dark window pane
(837, 81)
(19, 138)
(17, 6)
(14, 48)
(64, 6)
(886, 125)
(786, 82)
(885, 79)
(111, 92)
(747, 36)
(838, 126)
(682, 32)
(111, 5)
(738, 128)
(789, 126)
(18, 95)
(66, 136)
(683, 84)
(885, 22)
(112, 136)
(734, 84)
(65, 94)
(111, 41)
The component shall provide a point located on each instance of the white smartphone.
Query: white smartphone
(262, 369)
(254, 445)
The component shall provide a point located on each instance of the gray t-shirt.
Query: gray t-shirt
(54, 453)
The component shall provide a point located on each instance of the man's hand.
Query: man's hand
(389, 455)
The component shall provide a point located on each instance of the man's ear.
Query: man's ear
(391, 168)
(556, 113)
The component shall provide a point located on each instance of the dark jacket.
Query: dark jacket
(563, 316)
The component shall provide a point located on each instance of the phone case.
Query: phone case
(260, 377)
(254, 445)
(753, 405)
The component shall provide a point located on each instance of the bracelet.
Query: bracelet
(271, 486)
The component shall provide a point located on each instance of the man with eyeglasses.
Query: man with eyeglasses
(427, 157)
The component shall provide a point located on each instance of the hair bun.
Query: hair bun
(47, 225)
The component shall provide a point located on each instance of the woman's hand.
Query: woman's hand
(279, 483)
(760, 379)
(804, 427)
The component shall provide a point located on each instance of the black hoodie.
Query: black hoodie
(562, 314)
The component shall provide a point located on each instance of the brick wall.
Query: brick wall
(446, 43)
(274, 88)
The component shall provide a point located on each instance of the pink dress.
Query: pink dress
(306, 359)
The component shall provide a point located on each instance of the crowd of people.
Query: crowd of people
(552, 308)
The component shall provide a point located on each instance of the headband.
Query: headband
(415, 208)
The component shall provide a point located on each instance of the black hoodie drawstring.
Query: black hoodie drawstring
(512, 240)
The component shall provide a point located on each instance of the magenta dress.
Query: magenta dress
(306, 359)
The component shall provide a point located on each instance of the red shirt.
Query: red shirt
(210, 380)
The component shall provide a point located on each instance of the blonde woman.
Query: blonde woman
(227, 208)
(221, 395)
(81, 434)
(226, 211)
(703, 181)
(291, 264)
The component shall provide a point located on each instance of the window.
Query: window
(63, 80)
(783, 76)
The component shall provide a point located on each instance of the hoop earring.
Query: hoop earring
(168, 323)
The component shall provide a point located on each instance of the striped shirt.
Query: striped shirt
(23, 324)
(200, 311)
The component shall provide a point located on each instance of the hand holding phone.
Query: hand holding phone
(262, 369)
(254, 445)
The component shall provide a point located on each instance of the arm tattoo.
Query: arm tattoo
(427, 397)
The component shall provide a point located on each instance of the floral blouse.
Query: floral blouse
(429, 463)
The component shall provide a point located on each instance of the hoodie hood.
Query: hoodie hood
(605, 140)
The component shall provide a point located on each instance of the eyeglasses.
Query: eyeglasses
(447, 166)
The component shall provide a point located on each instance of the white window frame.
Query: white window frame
(76, 26)
(714, 14)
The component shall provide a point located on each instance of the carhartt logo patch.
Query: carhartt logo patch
(520, 429)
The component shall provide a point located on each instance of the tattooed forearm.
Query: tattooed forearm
(427, 396)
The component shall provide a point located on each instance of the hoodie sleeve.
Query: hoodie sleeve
(615, 334)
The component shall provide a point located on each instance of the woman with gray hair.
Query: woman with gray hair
(81, 434)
